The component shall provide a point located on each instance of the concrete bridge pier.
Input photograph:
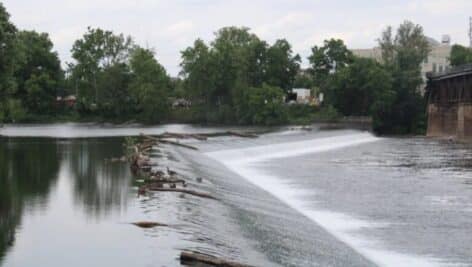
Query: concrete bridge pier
(464, 121)
(450, 103)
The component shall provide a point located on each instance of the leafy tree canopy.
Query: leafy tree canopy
(8, 61)
(218, 75)
(357, 88)
(150, 85)
(95, 52)
(402, 55)
(460, 55)
(39, 74)
(332, 56)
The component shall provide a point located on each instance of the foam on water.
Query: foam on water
(86, 130)
(342, 226)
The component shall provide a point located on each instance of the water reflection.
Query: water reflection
(28, 170)
(31, 167)
(98, 186)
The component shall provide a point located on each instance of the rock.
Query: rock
(148, 224)
(142, 191)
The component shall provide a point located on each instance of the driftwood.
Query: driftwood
(152, 140)
(185, 191)
(178, 144)
(160, 139)
(230, 133)
(244, 135)
(183, 136)
(149, 224)
(166, 181)
(199, 136)
(192, 257)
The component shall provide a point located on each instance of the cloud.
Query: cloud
(179, 28)
(171, 26)
(288, 22)
(439, 7)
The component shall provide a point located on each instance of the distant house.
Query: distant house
(181, 103)
(68, 101)
(303, 95)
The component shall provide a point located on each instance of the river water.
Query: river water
(289, 198)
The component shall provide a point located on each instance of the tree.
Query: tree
(329, 58)
(218, 76)
(460, 55)
(231, 51)
(403, 56)
(199, 70)
(40, 93)
(39, 74)
(282, 65)
(264, 106)
(96, 51)
(357, 89)
(150, 85)
(8, 63)
(303, 80)
(113, 91)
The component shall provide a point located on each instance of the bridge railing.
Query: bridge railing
(453, 70)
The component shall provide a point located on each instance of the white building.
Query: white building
(437, 61)
(303, 95)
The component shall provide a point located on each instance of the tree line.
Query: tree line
(237, 78)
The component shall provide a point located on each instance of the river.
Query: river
(292, 197)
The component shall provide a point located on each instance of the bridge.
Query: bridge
(450, 103)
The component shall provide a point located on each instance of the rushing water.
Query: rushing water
(288, 198)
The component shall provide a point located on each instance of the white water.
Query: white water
(342, 226)
(85, 130)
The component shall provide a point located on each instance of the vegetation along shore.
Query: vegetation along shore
(237, 78)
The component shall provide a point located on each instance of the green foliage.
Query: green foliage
(8, 61)
(263, 106)
(96, 52)
(282, 65)
(39, 74)
(150, 86)
(402, 57)
(236, 78)
(16, 112)
(327, 113)
(40, 93)
(460, 55)
(112, 91)
(116, 79)
(217, 77)
(356, 89)
(30, 72)
(329, 58)
(301, 114)
(303, 80)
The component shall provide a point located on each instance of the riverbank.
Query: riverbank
(293, 115)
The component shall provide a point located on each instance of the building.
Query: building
(68, 101)
(437, 61)
(303, 95)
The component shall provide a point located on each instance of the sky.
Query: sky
(170, 26)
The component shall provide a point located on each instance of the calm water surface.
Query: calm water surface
(289, 198)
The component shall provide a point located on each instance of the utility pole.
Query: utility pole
(470, 31)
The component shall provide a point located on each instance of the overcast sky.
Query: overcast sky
(170, 26)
